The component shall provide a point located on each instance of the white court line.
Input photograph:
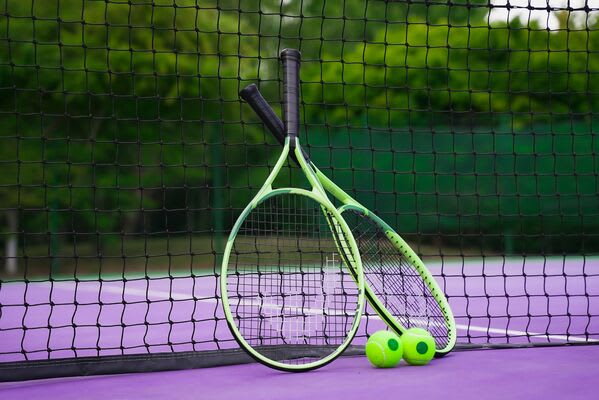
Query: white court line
(181, 296)
(511, 332)
(142, 293)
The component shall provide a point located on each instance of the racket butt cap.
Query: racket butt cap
(292, 54)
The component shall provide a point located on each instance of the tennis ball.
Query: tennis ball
(384, 349)
(418, 346)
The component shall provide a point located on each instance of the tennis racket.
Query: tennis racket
(398, 285)
(292, 283)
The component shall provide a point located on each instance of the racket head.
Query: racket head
(400, 251)
(399, 287)
(289, 297)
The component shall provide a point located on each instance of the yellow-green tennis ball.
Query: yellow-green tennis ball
(384, 349)
(418, 346)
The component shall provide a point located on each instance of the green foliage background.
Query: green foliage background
(121, 120)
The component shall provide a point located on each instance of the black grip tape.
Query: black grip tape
(251, 94)
(254, 98)
(291, 64)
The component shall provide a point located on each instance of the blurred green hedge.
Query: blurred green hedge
(124, 117)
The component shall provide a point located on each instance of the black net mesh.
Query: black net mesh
(126, 156)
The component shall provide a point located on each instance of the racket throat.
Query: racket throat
(293, 143)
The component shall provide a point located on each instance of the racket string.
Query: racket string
(396, 283)
(291, 294)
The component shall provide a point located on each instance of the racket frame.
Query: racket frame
(254, 98)
(318, 194)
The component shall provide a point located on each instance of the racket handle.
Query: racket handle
(291, 64)
(254, 98)
(251, 94)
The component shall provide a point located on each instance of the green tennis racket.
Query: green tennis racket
(292, 283)
(398, 285)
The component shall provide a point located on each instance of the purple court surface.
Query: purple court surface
(539, 373)
(518, 301)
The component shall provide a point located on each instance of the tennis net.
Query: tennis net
(126, 156)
